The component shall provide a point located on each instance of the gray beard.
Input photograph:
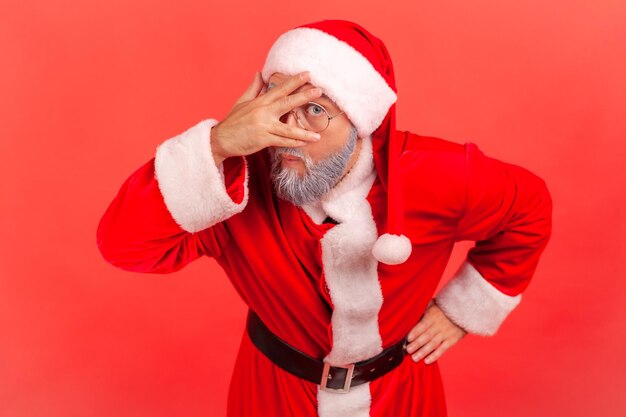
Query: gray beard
(318, 178)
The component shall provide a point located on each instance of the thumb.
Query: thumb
(253, 89)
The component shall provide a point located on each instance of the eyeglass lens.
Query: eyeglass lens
(312, 116)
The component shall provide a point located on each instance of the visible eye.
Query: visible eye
(315, 109)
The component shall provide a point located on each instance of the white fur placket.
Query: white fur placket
(352, 278)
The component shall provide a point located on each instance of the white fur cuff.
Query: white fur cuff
(191, 184)
(472, 303)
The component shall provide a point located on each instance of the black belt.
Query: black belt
(329, 378)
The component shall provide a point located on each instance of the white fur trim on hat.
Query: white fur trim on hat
(191, 184)
(471, 302)
(392, 249)
(343, 74)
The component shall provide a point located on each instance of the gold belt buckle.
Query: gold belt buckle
(326, 376)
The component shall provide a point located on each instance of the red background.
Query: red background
(89, 89)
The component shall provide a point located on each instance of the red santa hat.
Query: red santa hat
(354, 69)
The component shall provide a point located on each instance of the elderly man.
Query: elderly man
(335, 229)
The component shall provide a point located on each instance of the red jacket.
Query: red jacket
(315, 284)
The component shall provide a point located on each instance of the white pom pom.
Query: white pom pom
(392, 249)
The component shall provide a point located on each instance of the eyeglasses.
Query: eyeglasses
(312, 116)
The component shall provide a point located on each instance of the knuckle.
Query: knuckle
(278, 128)
(425, 321)
(293, 131)
(313, 92)
(417, 335)
(301, 133)
(434, 340)
(428, 347)
(439, 337)
(286, 133)
(434, 344)
(286, 100)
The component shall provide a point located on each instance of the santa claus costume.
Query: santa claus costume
(341, 291)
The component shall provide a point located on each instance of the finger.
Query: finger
(440, 350)
(290, 102)
(419, 328)
(424, 322)
(285, 130)
(419, 341)
(287, 87)
(426, 349)
(276, 140)
(264, 88)
(253, 89)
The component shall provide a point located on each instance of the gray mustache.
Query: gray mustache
(320, 178)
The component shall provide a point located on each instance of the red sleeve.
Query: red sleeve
(508, 212)
(509, 215)
(170, 211)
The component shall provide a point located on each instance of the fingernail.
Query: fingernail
(416, 357)
(428, 360)
(316, 136)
